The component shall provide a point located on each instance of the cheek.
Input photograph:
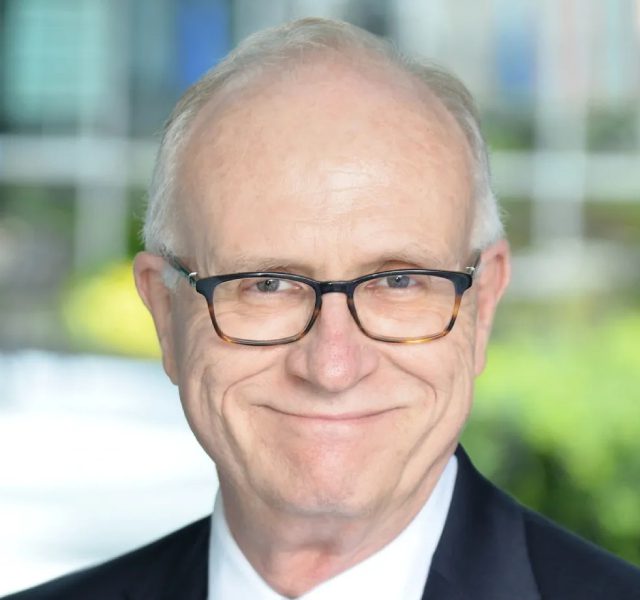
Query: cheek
(214, 377)
(442, 364)
(445, 368)
(439, 376)
(201, 362)
(200, 384)
(206, 378)
(458, 361)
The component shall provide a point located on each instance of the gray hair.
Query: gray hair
(292, 42)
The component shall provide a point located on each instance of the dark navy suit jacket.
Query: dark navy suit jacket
(491, 548)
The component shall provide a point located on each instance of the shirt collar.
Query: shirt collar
(398, 570)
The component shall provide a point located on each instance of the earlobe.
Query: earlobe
(491, 282)
(148, 273)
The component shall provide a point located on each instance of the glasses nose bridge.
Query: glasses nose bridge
(335, 287)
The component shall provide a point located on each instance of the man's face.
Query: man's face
(330, 175)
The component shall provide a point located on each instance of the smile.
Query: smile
(347, 418)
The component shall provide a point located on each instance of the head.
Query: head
(317, 149)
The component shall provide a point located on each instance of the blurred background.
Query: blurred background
(95, 457)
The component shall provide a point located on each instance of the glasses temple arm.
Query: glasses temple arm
(191, 276)
(475, 265)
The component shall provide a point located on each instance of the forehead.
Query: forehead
(325, 165)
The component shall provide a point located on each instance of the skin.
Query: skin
(328, 447)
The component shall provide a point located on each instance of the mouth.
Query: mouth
(347, 418)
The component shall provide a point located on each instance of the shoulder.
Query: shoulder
(111, 580)
(567, 566)
(494, 547)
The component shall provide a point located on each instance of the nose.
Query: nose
(335, 355)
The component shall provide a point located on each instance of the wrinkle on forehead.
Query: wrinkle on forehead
(349, 178)
(229, 119)
(331, 140)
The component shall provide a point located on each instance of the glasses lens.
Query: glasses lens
(405, 307)
(263, 309)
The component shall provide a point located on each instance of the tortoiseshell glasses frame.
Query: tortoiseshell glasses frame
(206, 286)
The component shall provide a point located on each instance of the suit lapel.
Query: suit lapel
(179, 571)
(482, 554)
(439, 588)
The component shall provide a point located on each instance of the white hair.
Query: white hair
(294, 42)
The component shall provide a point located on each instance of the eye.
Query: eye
(272, 285)
(396, 282)
(399, 283)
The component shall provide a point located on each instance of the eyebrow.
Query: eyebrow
(413, 254)
(246, 263)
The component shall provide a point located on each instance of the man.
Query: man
(330, 201)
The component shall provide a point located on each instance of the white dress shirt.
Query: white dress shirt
(398, 570)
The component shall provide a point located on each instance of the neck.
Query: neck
(294, 553)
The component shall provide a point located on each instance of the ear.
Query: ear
(491, 282)
(157, 297)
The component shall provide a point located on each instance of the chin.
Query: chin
(325, 503)
(338, 491)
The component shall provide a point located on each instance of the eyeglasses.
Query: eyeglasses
(404, 306)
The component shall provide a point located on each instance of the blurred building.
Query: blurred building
(86, 85)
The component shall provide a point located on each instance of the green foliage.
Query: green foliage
(509, 128)
(613, 220)
(104, 313)
(612, 128)
(557, 423)
(39, 209)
